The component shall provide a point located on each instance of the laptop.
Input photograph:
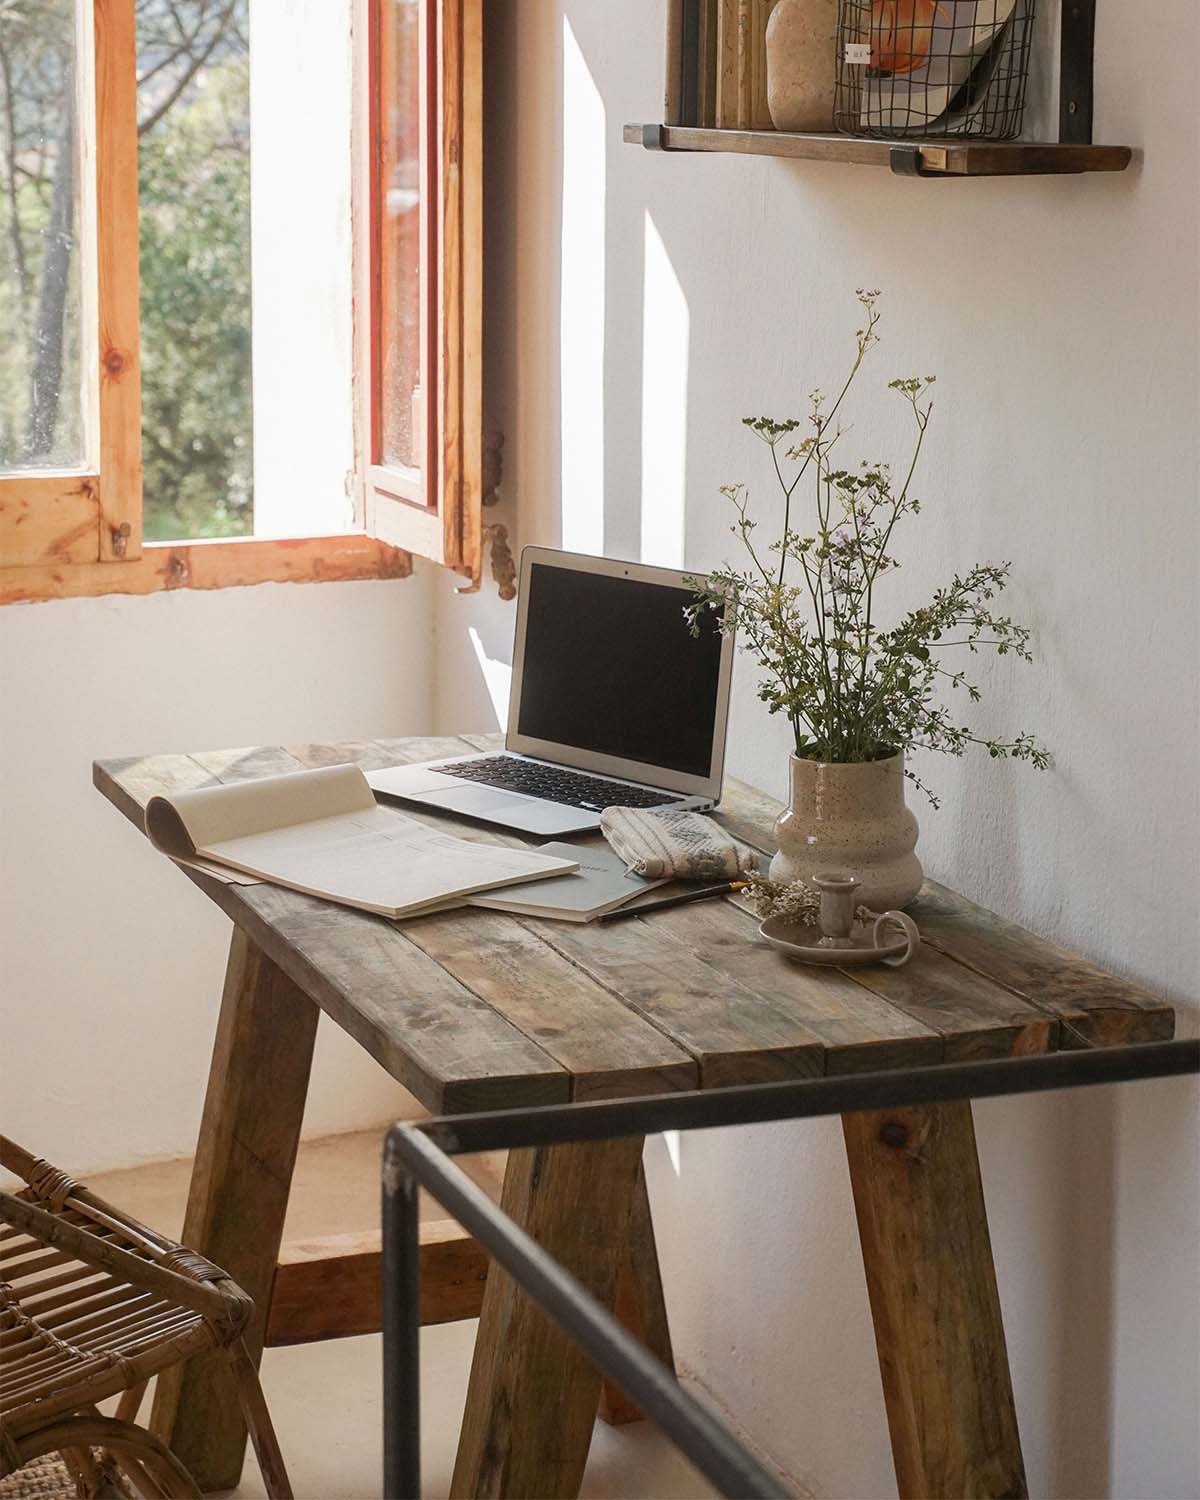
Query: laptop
(614, 703)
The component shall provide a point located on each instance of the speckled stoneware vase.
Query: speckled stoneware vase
(853, 818)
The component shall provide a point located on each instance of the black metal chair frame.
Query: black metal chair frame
(420, 1155)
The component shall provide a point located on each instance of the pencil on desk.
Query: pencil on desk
(703, 894)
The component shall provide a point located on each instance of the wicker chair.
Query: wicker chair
(92, 1305)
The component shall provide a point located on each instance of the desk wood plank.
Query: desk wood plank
(130, 783)
(735, 1035)
(859, 1031)
(1096, 1008)
(444, 1044)
(608, 1049)
(364, 753)
(749, 815)
(247, 763)
(975, 1016)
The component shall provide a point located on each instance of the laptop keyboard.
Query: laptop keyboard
(573, 788)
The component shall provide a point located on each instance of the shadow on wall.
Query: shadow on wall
(608, 355)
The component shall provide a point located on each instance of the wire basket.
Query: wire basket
(932, 68)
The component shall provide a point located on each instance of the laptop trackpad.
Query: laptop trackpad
(475, 801)
(529, 813)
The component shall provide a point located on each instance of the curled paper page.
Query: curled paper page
(320, 832)
(185, 822)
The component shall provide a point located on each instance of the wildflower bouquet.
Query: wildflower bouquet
(807, 604)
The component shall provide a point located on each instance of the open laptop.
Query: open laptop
(614, 703)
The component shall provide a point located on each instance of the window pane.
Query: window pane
(399, 220)
(41, 398)
(194, 185)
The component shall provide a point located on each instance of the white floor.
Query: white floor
(326, 1398)
(327, 1406)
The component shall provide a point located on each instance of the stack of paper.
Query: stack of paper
(321, 832)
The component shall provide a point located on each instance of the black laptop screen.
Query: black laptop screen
(610, 666)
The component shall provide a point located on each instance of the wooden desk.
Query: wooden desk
(474, 1009)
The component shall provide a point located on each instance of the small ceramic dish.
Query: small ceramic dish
(890, 939)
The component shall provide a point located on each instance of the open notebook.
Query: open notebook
(321, 832)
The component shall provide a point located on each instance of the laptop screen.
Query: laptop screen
(610, 666)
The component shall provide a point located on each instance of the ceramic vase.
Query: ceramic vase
(802, 64)
(852, 818)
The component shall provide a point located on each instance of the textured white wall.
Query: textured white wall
(1062, 320)
(111, 962)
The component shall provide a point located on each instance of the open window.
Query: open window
(362, 443)
(70, 442)
(420, 280)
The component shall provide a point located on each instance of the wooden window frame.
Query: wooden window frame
(92, 515)
(79, 533)
(436, 513)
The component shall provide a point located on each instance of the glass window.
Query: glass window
(398, 199)
(41, 395)
(194, 186)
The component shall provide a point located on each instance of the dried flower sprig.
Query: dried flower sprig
(853, 690)
(796, 901)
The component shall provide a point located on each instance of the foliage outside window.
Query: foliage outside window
(39, 235)
(106, 101)
(194, 197)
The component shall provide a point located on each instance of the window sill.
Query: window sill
(224, 563)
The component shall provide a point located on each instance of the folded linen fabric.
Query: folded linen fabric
(674, 845)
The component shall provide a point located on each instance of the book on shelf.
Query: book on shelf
(740, 65)
(706, 62)
(321, 832)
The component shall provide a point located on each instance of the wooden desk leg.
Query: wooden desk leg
(639, 1303)
(938, 1330)
(257, 1084)
(531, 1402)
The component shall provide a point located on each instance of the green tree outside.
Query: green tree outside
(194, 182)
(194, 186)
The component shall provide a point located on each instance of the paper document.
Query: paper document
(321, 832)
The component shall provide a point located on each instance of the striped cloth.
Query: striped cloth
(674, 845)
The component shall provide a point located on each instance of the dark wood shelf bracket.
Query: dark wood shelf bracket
(1077, 54)
(908, 161)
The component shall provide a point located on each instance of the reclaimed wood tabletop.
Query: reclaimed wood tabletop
(474, 1009)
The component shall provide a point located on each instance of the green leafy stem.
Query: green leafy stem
(806, 604)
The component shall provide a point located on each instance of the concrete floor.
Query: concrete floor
(325, 1398)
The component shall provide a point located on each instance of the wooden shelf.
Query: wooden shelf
(963, 158)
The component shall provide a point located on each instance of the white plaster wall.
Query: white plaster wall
(1062, 320)
(111, 962)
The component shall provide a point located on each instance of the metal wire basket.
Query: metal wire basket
(932, 68)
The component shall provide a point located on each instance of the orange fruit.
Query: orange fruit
(901, 33)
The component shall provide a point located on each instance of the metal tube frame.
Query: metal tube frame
(418, 1154)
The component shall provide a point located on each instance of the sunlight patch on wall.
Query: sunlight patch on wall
(665, 334)
(497, 678)
(674, 1144)
(581, 318)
